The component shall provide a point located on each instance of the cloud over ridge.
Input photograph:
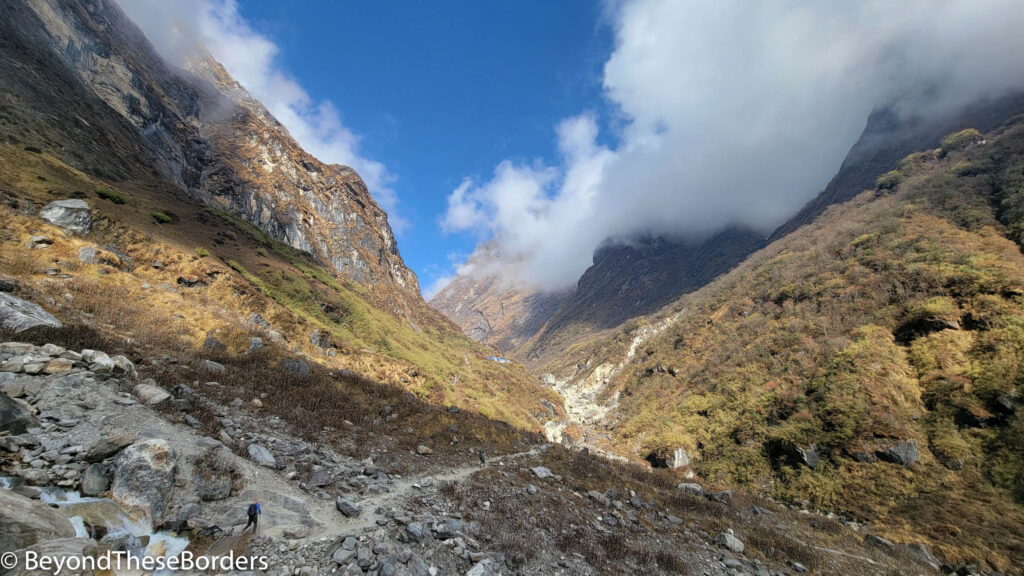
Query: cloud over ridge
(175, 27)
(731, 113)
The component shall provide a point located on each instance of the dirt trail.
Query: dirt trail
(338, 525)
(332, 524)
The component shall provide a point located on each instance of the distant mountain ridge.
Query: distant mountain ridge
(635, 277)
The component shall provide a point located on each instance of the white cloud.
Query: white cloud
(175, 27)
(436, 286)
(733, 112)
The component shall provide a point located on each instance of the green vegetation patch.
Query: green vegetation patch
(161, 218)
(111, 196)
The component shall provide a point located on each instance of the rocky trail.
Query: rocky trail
(129, 460)
(330, 525)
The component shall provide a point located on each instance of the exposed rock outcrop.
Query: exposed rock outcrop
(196, 127)
(14, 418)
(19, 315)
(143, 478)
(73, 215)
(24, 522)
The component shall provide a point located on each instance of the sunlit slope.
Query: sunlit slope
(893, 322)
(205, 272)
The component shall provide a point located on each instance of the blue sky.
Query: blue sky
(553, 126)
(443, 90)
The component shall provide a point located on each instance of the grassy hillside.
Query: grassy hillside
(895, 320)
(214, 272)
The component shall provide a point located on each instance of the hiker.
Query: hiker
(483, 459)
(254, 513)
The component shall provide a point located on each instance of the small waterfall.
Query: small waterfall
(87, 515)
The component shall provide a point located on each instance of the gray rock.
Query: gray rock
(87, 254)
(903, 453)
(548, 379)
(144, 478)
(295, 367)
(347, 507)
(485, 567)
(364, 557)
(295, 532)
(15, 418)
(342, 556)
(39, 242)
(94, 480)
(729, 541)
(19, 315)
(879, 542)
(212, 485)
(261, 456)
(417, 567)
(108, 446)
(150, 394)
(98, 361)
(211, 343)
(723, 496)
(255, 319)
(924, 554)
(321, 476)
(542, 472)
(211, 366)
(24, 522)
(417, 531)
(423, 450)
(691, 488)
(255, 343)
(678, 459)
(73, 215)
(808, 456)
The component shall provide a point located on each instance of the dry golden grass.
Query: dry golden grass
(434, 361)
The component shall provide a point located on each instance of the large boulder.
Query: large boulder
(19, 315)
(144, 477)
(14, 418)
(60, 548)
(261, 456)
(24, 522)
(903, 453)
(73, 215)
(295, 367)
(94, 480)
(678, 459)
(149, 393)
(729, 541)
(108, 446)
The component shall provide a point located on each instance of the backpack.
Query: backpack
(252, 509)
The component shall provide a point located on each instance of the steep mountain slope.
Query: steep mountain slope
(627, 279)
(490, 310)
(83, 73)
(195, 189)
(888, 138)
(871, 362)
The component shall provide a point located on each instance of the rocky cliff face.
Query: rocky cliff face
(636, 278)
(493, 311)
(198, 128)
